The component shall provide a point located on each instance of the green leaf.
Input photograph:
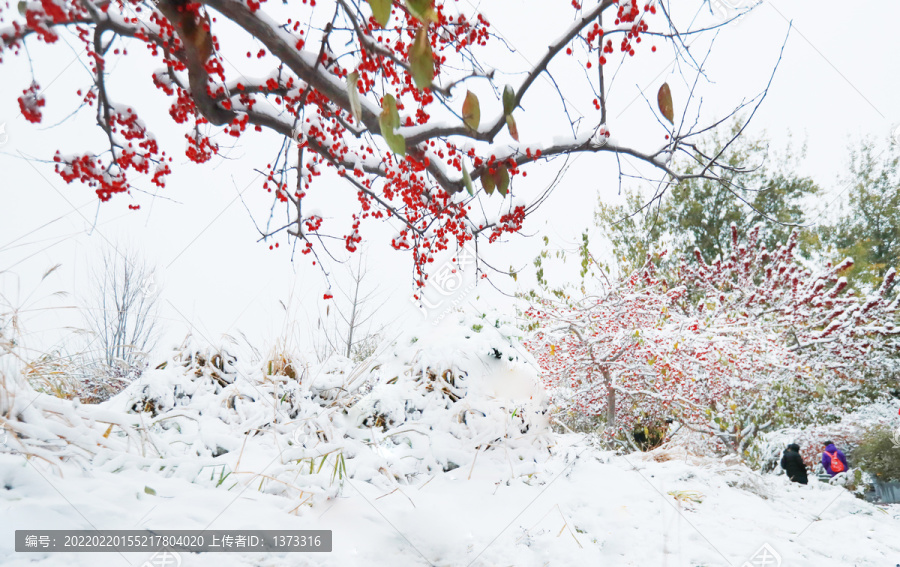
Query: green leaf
(388, 120)
(353, 95)
(664, 99)
(381, 11)
(396, 143)
(421, 60)
(149, 491)
(22, 7)
(471, 111)
(487, 181)
(222, 478)
(509, 100)
(422, 10)
(502, 180)
(389, 108)
(511, 124)
(467, 180)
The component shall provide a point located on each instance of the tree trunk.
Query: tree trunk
(610, 399)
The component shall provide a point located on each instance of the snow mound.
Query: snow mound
(453, 389)
(433, 401)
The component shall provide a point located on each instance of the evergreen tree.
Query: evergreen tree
(868, 228)
(698, 213)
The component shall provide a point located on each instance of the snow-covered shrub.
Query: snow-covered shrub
(448, 392)
(207, 370)
(210, 418)
(100, 386)
(217, 365)
(750, 342)
(878, 452)
(78, 376)
(630, 353)
(281, 363)
(54, 375)
(433, 401)
(683, 443)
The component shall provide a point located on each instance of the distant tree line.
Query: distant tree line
(857, 217)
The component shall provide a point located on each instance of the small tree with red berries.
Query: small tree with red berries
(730, 348)
(632, 356)
(381, 92)
(847, 337)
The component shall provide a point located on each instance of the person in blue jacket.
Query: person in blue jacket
(833, 460)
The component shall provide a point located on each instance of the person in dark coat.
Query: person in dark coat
(793, 464)
(833, 460)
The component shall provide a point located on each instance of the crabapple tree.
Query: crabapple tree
(380, 92)
(844, 335)
(630, 354)
(749, 342)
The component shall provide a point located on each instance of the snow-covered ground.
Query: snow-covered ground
(437, 451)
(586, 508)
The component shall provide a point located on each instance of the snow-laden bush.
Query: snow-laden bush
(206, 370)
(432, 401)
(878, 452)
(77, 376)
(464, 386)
(750, 342)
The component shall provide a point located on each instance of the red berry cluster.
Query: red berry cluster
(313, 223)
(321, 125)
(510, 222)
(31, 102)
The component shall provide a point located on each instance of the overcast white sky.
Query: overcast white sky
(838, 81)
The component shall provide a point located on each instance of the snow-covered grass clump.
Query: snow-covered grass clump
(431, 401)
(449, 391)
